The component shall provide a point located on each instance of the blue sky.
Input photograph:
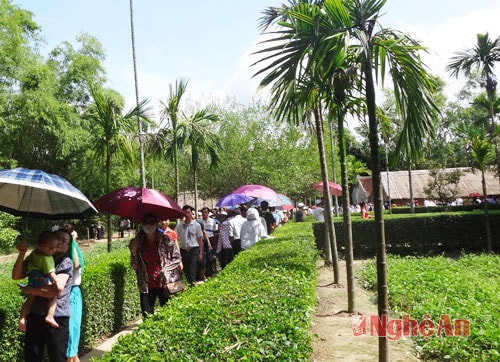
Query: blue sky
(208, 42)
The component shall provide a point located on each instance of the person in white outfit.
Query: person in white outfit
(252, 229)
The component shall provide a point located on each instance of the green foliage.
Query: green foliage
(110, 295)
(257, 309)
(443, 186)
(464, 288)
(8, 234)
(11, 340)
(110, 300)
(418, 234)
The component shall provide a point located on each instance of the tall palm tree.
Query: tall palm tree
(202, 140)
(325, 35)
(296, 85)
(482, 56)
(480, 145)
(112, 131)
(170, 136)
(136, 83)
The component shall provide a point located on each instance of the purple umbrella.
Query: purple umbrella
(258, 191)
(233, 200)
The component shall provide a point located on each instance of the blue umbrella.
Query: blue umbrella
(34, 193)
(233, 200)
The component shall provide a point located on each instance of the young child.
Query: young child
(41, 271)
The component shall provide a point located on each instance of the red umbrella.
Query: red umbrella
(258, 191)
(335, 189)
(133, 202)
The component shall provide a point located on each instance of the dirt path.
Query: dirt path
(333, 338)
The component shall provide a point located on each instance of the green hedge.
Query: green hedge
(110, 300)
(259, 308)
(110, 296)
(421, 234)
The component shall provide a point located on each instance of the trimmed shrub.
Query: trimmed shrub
(258, 308)
(421, 234)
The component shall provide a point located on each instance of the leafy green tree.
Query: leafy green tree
(18, 38)
(443, 186)
(482, 56)
(76, 68)
(111, 132)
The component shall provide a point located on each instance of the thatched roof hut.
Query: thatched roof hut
(397, 184)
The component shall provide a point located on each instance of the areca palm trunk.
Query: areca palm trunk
(332, 242)
(332, 146)
(382, 288)
(176, 171)
(351, 304)
(139, 122)
(108, 186)
(490, 90)
(489, 247)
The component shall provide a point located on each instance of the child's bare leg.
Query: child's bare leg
(51, 308)
(24, 312)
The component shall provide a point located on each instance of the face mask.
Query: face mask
(149, 229)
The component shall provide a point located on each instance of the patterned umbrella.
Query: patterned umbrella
(133, 202)
(34, 193)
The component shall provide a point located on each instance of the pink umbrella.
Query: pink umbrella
(258, 191)
(134, 202)
(335, 189)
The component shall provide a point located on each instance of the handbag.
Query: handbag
(176, 287)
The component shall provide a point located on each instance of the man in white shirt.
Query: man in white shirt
(234, 233)
(319, 212)
(190, 239)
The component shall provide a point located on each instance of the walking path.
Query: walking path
(333, 339)
(108, 343)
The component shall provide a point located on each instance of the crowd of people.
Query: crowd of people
(199, 246)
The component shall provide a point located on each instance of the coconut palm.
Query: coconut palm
(482, 56)
(112, 131)
(320, 37)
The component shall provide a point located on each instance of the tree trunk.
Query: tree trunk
(139, 122)
(195, 181)
(490, 91)
(388, 179)
(108, 187)
(382, 288)
(349, 261)
(326, 193)
(334, 174)
(489, 247)
(176, 172)
(410, 181)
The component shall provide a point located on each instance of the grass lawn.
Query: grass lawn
(467, 287)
